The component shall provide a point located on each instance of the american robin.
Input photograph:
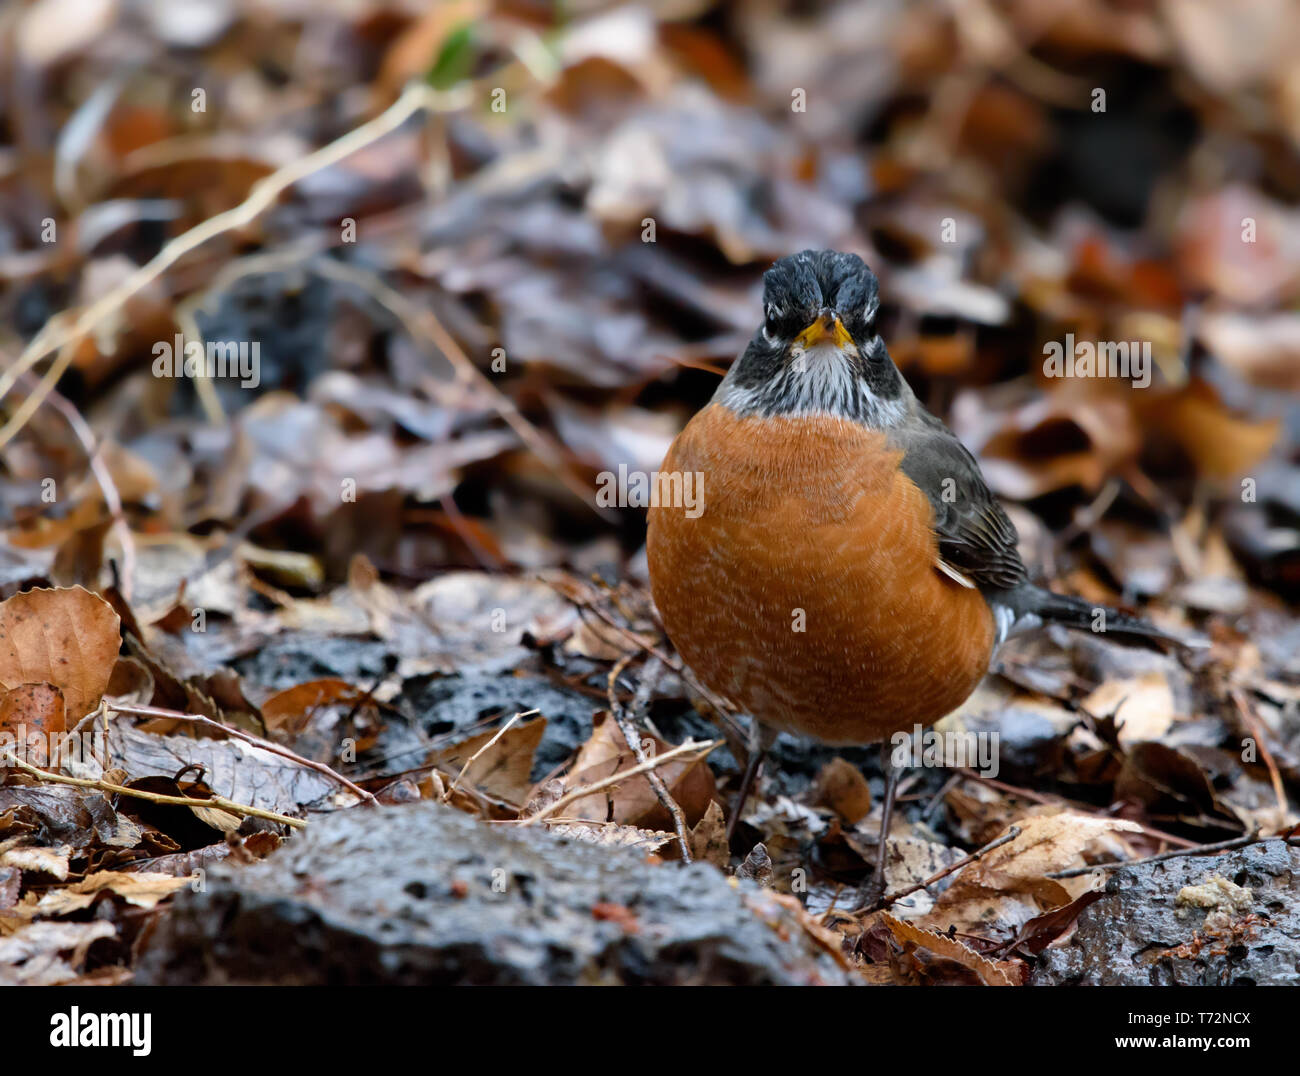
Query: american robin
(847, 573)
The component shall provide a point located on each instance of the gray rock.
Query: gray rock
(1141, 933)
(447, 703)
(424, 894)
(297, 657)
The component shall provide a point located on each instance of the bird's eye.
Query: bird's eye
(772, 323)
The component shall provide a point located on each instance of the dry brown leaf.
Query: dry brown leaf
(612, 835)
(291, 709)
(841, 787)
(65, 637)
(31, 955)
(1162, 778)
(690, 781)
(1144, 704)
(1071, 436)
(1220, 444)
(458, 620)
(33, 709)
(141, 888)
(504, 769)
(912, 859)
(989, 973)
(130, 684)
(381, 603)
(218, 819)
(51, 861)
(1008, 887)
(600, 642)
(709, 838)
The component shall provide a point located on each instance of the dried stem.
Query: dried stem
(247, 737)
(112, 499)
(965, 861)
(702, 746)
(56, 337)
(153, 797)
(1252, 723)
(474, 757)
(1200, 849)
(626, 725)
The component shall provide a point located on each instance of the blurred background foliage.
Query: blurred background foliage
(1014, 170)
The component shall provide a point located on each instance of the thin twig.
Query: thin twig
(1059, 801)
(703, 746)
(487, 560)
(1091, 514)
(153, 797)
(584, 603)
(626, 725)
(1252, 723)
(937, 801)
(1006, 838)
(1200, 849)
(56, 337)
(104, 477)
(247, 737)
(474, 757)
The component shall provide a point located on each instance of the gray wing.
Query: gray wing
(976, 538)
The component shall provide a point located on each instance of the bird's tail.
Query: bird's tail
(1034, 606)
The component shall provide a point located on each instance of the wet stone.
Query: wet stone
(445, 704)
(1189, 921)
(423, 894)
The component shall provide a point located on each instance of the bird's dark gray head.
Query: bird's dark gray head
(818, 350)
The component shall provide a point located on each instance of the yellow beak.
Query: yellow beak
(826, 327)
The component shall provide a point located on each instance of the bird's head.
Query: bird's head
(818, 350)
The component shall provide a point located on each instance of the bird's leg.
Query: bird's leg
(760, 739)
(874, 890)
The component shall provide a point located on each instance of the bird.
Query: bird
(847, 574)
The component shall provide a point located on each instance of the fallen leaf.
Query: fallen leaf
(140, 888)
(708, 839)
(757, 866)
(1009, 886)
(65, 637)
(290, 710)
(51, 861)
(1142, 707)
(841, 787)
(987, 971)
(690, 782)
(32, 955)
(1220, 444)
(504, 769)
(1041, 931)
(33, 716)
(612, 835)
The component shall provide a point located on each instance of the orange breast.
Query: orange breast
(806, 589)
